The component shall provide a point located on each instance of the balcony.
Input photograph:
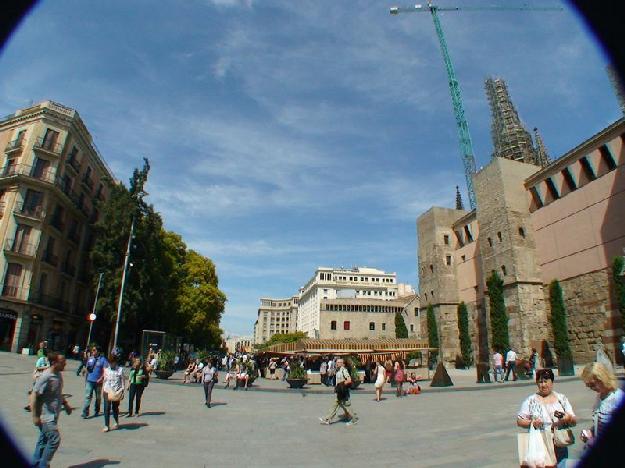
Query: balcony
(15, 292)
(68, 268)
(48, 146)
(26, 249)
(50, 258)
(73, 164)
(47, 174)
(29, 210)
(14, 146)
(48, 300)
(57, 222)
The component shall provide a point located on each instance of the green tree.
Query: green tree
(498, 316)
(283, 338)
(400, 326)
(618, 267)
(463, 331)
(560, 329)
(201, 303)
(432, 328)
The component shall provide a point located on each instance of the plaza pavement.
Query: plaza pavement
(280, 428)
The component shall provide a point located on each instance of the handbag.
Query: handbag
(563, 437)
(115, 395)
(536, 448)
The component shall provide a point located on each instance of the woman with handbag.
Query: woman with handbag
(138, 379)
(380, 380)
(551, 413)
(398, 375)
(113, 390)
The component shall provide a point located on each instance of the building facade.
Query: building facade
(275, 316)
(51, 183)
(532, 225)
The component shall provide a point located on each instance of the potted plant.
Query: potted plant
(297, 376)
(165, 365)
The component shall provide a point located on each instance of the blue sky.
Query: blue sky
(289, 135)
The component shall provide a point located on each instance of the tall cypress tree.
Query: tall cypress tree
(432, 328)
(498, 316)
(463, 331)
(560, 329)
(400, 326)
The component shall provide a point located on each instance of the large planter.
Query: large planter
(163, 373)
(297, 383)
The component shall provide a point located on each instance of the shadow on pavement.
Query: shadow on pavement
(153, 413)
(100, 462)
(131, 426)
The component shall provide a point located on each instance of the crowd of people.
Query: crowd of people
(545, 412)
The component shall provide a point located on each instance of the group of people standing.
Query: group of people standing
(502, 368)
(552, 413)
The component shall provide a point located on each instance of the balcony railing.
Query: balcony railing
(88, 181)
(49, 146)
(27, 249)
(48, 300)
(68, 268)
(71, 162)
(16, 292)
(14, 145)
(50, 258)
(31, 211)
(46, 175)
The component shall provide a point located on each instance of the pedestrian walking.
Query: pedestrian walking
(113, 388)
(41, 366)
(93, 384)
(138, 380)
(330, 379)
(498, 366)
(209, 379)
(380, 380)
(85, 355)
(399, 378)
(534, 362)
(511, 365)
(46, 403)
(323, 370)
(343, 383)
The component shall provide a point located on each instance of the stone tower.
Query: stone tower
(542, 157)
(510, 138)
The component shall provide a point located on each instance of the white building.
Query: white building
(275, 316)
(339, 283)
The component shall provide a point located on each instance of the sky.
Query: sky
(283, 135)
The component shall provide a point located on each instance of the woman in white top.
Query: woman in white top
(547, 410)
(113, 389)
(599, 378)
(380, 380)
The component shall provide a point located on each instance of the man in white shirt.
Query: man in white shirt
(511, 365)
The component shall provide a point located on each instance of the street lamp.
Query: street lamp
(92, 315)
(121, 289)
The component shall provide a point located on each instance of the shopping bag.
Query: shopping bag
(536, 449)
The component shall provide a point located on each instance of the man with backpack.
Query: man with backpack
(95, 376)
(343, 384)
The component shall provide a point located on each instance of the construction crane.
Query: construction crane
(466, 146)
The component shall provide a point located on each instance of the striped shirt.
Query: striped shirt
(603, 410)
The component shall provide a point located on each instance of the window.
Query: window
(551, 188)
(346, 325)
(587, 168)
(499, 236)
(490, 242)
(41, 169)
(412, 327)
(468, 234)
(522, 232)
(20, 137)
(446, 239)
(371, 325)
(416, 311)
(384, 326)
(568, 179)
(448, 260)
(12, 280)
(463, 257)
(503, 270)
(333, 325)
(432, 268)
(606, 156)
(49, 140)
(536, 197)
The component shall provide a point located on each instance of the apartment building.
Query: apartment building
(333, 292)
(51, 184)
(275, 316)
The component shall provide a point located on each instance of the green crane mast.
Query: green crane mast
(466, 146)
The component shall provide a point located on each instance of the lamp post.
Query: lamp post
(92, 315)
(121, 290)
